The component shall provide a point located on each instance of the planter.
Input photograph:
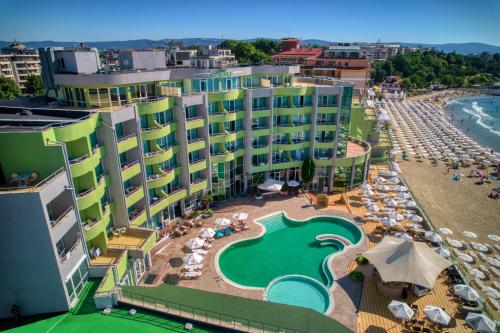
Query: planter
(259, 197)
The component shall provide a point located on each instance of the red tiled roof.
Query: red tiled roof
(312, 52)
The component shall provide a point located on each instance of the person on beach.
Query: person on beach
(467, 130)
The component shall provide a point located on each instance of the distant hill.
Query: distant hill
(462, 48)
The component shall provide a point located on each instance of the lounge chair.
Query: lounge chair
(218, 234)
(228, 231)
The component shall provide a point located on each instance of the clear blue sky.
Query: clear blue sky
(422, 21)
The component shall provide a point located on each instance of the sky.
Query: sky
(418, 21)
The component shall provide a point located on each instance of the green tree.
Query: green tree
(447, 80)
(308, 170)
(34, 85)
(8, 89)
(379, 75)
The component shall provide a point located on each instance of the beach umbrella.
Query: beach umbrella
(464, 257)
(222, 221)
(207, 233)
(240, 216)
(415, 218)
(494, 238)
(411, 204)
(388, 222)
(195, 243)
(390, 203)
(373, 208)
(401, 188)
(437, 315)
(477, 274)
(394, 180)
(493, 262)
(480, 323)
(470, 234)
(445, 231)
(400, 310)
(479, 247)
(433, 237)
(384, 188)
(396, 216)
(293, 183)
(403, 195)
(442, 251)
(366, 186)
(466, 292)
(368, 193)
(192, 259)
(492, 292)
(379, 179)
(403, 235)
(454, 243)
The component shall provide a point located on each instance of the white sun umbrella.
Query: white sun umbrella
(416, 218)
(373, 208)
(492, 292)
(400, 310)
(480, 323)
(403, 235)
(433, 237)
(411, 204)
(240, 216)
(466, 292)
(195, 243)
(379, 179)
(207, 233)
(366, 186)
(396, 216)
(293, 183)
(401, 188)
(192, 259)
(454, 243)
(442, 251)
(464, 257)
(403, 195)
(222, 221)
(479, 247)
(477, 274)
(493, 262)
(445, 231)
(437, 315)
(494, 238)
(388, 222)
(470, 234)
(368, 193)
(384, 188)
(390, 203)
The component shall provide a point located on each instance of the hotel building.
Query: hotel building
(18, 62)
(124, 153)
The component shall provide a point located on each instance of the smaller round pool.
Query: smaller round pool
(299, 290)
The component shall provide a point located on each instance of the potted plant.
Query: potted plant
(207, 199)
(361, 260)
(195, 214)
(208, 213)
(357, 276)
(285, 188)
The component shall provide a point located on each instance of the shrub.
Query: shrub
(361, 260)
(209, 212)
(356, 276)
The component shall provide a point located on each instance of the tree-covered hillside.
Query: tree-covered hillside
(256, 52)
(422, 69)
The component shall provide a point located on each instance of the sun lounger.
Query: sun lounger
(218, 234)
(228, 231)
(201, 252)
(495, 271)
(190, 275)
(207, 245)
(192, 268)
(494, 303)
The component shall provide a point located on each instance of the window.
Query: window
(259, 103)
(233, 105)
(213, 107)
(75, 284)
(280, 102)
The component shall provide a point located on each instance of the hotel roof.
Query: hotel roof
(310, 52)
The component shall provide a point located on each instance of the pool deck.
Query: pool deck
(346, 293)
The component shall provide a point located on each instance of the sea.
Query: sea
(478, 117)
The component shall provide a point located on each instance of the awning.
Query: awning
(271, 185)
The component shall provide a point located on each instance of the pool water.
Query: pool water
(299, 291)
(288, 247)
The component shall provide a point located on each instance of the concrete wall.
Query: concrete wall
(143, 59)
(78, 62)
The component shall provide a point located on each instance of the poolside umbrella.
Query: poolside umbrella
(195, 243)
(437, 315)
(491, 292)
(192, 259)
(222, 221)
(446, 231)
(464, 257)
(388, 222)
(240, 216)
(477, 274)
(433, 237)
(480, 323)
(403, 235)
(494, 238)
(479, 247)
(416, 218)
(207, 233)
(466, 292)
(411, 204)
(442, 251)
(470, 234)
(390, 203)
(373, 208)
(400, 310)
(454, 243)
(293, 183)
(493, 262)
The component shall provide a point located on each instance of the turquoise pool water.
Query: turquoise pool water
(288, 247)
(306, 292)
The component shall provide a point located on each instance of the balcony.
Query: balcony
(156, 132)
(260, 131)
(88, 197)
(133, 194)
(195, 122)
(137, 240)
(326, 126)
(158, 156)
(93, 228)
(71, 256)
(197, 165)
(262, 112)
(281, 111)
(131, 169)
(137, 216)
(86, 163)
(126, 143)
(198, 185)
(161, 179)
(64, 216)
(197, 144)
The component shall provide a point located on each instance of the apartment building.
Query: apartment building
(139, 148)
(18, 62)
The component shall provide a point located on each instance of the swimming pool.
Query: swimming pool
(287, 247)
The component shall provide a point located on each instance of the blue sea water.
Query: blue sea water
(478, 117)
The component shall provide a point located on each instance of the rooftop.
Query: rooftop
(306, 52)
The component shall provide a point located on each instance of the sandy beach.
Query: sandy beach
(443, 96)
